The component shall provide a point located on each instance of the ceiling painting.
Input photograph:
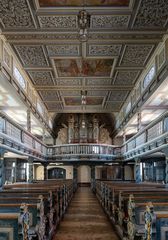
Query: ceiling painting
(84, 68)
(121, 37)
(78, 3)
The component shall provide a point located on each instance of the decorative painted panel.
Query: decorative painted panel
(63, 50)
(53, 106)
(82, 68)
(78, 3)
(69, 82)
(114, 105)
(96, 93)
(161, 58)
(136, 55)
(60, 22)
(41, 77)
(70, 93)
(15, 14)
(48, 95)
(104, 50)
(125, 77)
(31, 55)
(118, 95)
(6, 58)
(42, 36)
(99, 82)
(151, 14)
(109, 21)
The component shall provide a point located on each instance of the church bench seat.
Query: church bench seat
(115, 200)
(57, 196)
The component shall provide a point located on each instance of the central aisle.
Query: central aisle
(85, 219)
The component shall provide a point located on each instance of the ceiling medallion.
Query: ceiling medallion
(83, 24)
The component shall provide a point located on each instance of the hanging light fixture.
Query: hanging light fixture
(83, 24)
(83, 97)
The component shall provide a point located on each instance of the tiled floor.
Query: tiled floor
(85, 219)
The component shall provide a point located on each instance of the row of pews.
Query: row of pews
(32, 211)
(138, 211)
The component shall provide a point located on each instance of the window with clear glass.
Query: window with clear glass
(39, 108)
(149, 76)
(19, 77)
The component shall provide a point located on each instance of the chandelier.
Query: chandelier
(83, 24)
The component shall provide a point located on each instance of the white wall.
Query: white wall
(39, 171)
(84, 174)
(128, 172)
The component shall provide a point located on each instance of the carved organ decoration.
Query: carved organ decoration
(95, 129)
(104, 136)
(71, 128)
(62, 136)
(83, 128)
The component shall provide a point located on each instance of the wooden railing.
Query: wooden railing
(16, 139)
(86, 150)
(151, 139)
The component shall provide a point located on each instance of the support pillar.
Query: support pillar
(165, 151)
(28, 120)
(45, 171)
(2, 168)
(166, 170)
(75, 172)
(93, 172)
(75, 178)
(30, 165)
(93, 182)
(123, 172)
(139, 121)
(137, 176)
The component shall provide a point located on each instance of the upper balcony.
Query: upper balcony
(16, 139)
(151, 139)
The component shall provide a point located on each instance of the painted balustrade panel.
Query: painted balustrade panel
(27, 140)
(13, 131)
(166, 124)
(155, 131)
(140, 139)
(78, 149)
(131, 145)
(2, 124)
(38, 146)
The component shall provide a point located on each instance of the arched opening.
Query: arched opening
(57, 173)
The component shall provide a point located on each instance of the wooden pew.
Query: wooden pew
(115, 199)
(57, 198)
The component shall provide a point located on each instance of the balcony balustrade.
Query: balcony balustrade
(16, 139)
(151, 139)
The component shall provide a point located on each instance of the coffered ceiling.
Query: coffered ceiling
(122, 35)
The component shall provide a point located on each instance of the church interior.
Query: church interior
(83, 119)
